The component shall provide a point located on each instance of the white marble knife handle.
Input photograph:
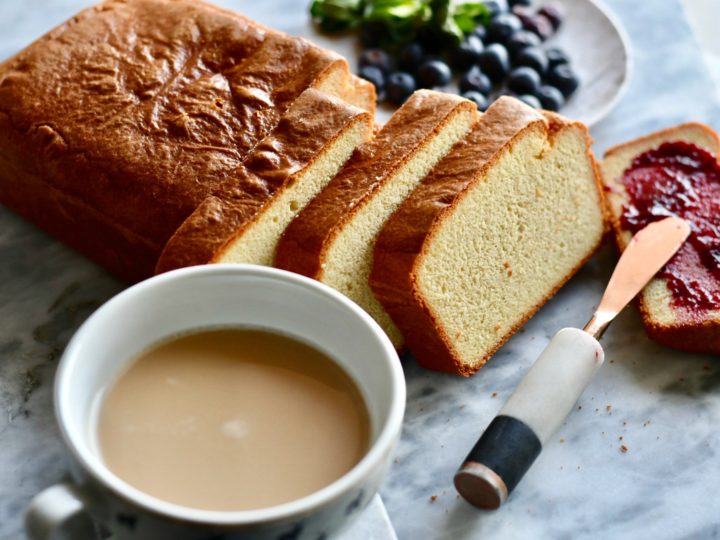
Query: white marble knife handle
(534, 412)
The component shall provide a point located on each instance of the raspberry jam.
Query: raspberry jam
(680, 179)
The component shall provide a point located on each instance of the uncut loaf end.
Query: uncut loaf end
(116, 125)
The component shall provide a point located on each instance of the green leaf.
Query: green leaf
(336, 15)
(402, 18)
(468, 13)
(401, 11)
(465, 23)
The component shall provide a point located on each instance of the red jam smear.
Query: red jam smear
(683, 180)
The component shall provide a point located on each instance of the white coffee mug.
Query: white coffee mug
(209, 297)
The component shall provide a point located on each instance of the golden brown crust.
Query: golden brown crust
(700, 337)
(685, 333)
(304, 243)
(140, 109)
(360, 93)
(314, 121)
(662, 133)
(61, 214)
(401, 243)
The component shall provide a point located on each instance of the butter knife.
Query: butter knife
(552, 386)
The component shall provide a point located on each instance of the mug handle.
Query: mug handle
(59, 508)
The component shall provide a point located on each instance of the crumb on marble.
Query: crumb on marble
(623, 449)
(494, 394)
(31, 382)
(433, 498)
(562, 440)
(608, 408)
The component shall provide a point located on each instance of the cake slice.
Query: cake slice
(331, 240)
(681, 306)
(495, 229)
(283, 173)
(118, 124)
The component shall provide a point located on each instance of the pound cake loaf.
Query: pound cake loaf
(331, 240)
(673, 172)
(118, 124)
(495, 229)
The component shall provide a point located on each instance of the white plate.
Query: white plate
(599, 51)
(591, 35)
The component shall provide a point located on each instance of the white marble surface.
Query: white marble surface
(664, 404)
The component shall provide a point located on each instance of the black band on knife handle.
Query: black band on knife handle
(497, 462)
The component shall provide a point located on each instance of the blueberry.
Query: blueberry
(554, 14)
(372, 33)
(524, 13)
(550, 98)
(466, 54)
(373, 74)
(399, 87)
(556, 57)
(521, 40)
(514, 3)
(533, 57)
(430, 39)
(530, 100)
(502, 27)
(475, 80)
(433, 73)
(480, 31)
(495, 62)
(479, 99)
(377, 58)
(564, 79)
(521, 11)
(540, 25)
(410, 56)
(493, 7)
(523, 80)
